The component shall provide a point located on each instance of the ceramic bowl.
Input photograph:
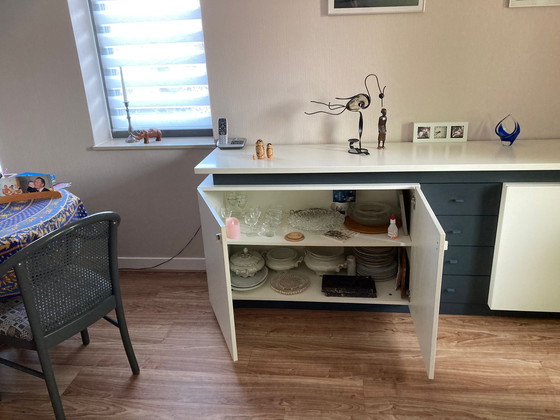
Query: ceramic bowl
(282, 258)
(325, 259)
(246, 263)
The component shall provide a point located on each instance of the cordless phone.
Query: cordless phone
(223, 141)
(222, 131)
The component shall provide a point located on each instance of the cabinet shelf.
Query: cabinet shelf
(318, 239)
(386, 293)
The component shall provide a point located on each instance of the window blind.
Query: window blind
(160, 47)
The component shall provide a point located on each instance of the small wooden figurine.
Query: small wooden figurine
(269, 151)
(259, 148)
(147, 135)
(382, 127)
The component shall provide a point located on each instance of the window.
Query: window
(159, 46)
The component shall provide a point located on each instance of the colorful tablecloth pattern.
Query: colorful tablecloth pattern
(22, 222)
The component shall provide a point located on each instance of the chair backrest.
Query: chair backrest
(69, 277)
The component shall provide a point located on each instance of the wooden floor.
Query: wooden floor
(293, 364)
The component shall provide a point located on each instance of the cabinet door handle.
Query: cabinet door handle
(218, 237)
(455, 231)
(450, 290)
(453, 261)
(458, 200)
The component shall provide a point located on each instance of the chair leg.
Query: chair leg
(126, 340)
(50, 380)
(85, 337)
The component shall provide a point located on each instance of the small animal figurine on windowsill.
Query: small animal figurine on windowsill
(147, 135)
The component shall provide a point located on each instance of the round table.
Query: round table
(22, 222)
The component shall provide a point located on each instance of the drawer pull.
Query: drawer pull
(455, 231)
(450, 290)
(453, 261)
(458, 200)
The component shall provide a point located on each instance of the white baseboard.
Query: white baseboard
(180, 264)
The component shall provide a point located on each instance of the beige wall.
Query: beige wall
(461, 60)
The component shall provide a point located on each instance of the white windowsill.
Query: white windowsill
(165, 143)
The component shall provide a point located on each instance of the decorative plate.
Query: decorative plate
(315, 219)
(247, 283)
(288, 283)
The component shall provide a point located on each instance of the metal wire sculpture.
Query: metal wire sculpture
(355, 103)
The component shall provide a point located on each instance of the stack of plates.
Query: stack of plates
(377, 262)
(243, 284)
(370, 213)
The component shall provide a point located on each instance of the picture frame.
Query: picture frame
(22, 187)
(533, 3)
(440, 132)
(360, 7)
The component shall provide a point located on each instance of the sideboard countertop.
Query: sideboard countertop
(523, 155)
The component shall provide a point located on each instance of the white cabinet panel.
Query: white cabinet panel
(426, 268)
(217, 270)
(525, 274)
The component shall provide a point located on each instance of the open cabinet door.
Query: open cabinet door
(426, 266)
(219, 282)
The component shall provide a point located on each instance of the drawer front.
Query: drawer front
(464, 199)
(468, 260)
(465, 289)
(470, 230)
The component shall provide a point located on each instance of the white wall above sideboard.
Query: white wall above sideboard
(474, 61)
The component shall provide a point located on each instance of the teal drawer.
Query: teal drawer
(468, 260)
(465, 289)
(464, 199)
(469, 230)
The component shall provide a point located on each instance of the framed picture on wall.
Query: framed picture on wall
(358, 7)
(531, 3)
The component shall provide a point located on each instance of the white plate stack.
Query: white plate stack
(243, 284)
(378, 262)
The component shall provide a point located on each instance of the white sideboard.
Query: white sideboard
(444, 184)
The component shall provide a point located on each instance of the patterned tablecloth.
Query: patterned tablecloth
(22, 222)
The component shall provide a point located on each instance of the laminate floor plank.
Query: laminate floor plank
(293, 364)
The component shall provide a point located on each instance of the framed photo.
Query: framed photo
(358, 7)
(532, 3)
(18, 184)
(440, 132)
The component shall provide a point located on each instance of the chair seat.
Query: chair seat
(13, 319)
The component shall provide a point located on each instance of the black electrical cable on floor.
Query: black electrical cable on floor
(166, 261)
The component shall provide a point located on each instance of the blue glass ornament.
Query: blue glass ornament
(507, 138)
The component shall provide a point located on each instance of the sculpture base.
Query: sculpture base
(357, 150)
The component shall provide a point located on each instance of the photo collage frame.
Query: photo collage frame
(443, 132)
